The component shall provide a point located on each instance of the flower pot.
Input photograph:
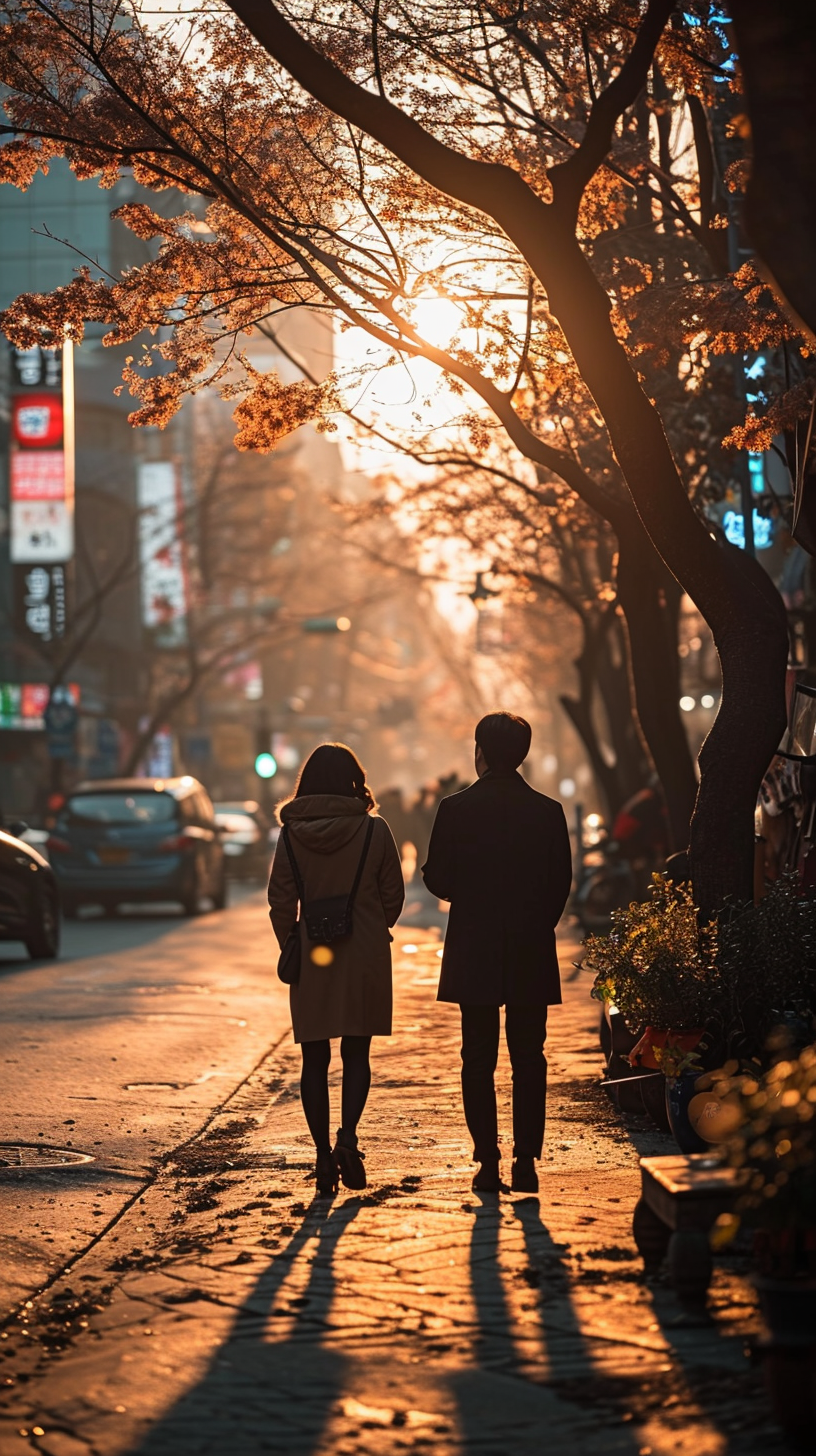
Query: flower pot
(655, 1039)
(653, 1092)
(679, 1092)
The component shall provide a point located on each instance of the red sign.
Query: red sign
(37, 475)
(34, 699)
(37, 421)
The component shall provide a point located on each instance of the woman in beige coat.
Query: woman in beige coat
(345, 988)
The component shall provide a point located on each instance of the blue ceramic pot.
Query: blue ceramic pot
(679, 1092)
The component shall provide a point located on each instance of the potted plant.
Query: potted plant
(775, 1143)
(658, 966)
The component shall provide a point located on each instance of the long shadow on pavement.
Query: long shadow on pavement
(262, 1393)
(504, 1405)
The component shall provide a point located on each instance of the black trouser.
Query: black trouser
(314, 1085)
(525, 1028)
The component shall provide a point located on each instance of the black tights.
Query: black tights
(314, 1085)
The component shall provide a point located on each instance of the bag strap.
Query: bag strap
(299, 885)
(363, 856)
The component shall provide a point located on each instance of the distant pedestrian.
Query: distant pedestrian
(500, 853)
(331, 831)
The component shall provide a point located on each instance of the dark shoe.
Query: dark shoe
(487, 1179)
(349, 1159)
(525, 1177)
(326, 1175)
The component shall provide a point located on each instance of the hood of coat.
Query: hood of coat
(323, 822)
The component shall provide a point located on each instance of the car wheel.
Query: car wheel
(43, 941)
(191, 899)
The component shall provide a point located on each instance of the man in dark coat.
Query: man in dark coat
(500, 853)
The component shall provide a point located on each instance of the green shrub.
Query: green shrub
(657, 965)
(739, 976)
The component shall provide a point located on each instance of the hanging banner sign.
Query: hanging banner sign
(37, 475)
(40, 601)
(41, 531)
(42, 456)
(23, 705)
(161, 552)
(36, 421)
(36, 368)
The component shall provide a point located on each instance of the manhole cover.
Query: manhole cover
(155, 1086)
(32, 1156)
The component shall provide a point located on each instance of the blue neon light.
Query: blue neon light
(734, 528)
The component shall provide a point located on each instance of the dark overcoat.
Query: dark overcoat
(500, 853)
(352, 995)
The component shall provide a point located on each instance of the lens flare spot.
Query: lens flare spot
(321, 955)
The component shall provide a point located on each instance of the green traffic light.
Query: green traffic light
(265, 766)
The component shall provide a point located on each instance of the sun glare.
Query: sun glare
(438, 320)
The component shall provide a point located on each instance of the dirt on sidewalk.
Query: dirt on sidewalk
(228, 1311)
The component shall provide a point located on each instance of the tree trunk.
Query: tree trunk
(739, 748)
(632, 757)
(748, 625)
(645, 592)
(606, 775)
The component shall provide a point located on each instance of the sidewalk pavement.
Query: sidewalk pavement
(226, 1312)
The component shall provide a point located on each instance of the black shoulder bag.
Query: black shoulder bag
(326, 920)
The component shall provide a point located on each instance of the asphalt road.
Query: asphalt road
(120, 1051)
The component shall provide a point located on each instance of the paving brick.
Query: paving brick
(248, 1317)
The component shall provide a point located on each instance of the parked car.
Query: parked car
(128, 840)
(248, 839)
(29, 898)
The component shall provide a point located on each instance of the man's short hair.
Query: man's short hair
(504, 740)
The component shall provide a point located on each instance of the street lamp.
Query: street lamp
(489, 620)
(481, 593)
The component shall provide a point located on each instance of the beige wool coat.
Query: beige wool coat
(352, 995)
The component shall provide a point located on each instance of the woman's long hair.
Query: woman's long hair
(334, 769)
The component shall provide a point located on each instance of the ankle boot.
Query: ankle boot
(326, 1175)
(349, 1159)
(524, 1178)
(488, 1179)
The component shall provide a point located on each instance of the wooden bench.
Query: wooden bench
(681, 1198)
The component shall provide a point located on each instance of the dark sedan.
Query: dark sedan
(29, 899)
(248, 839)
(123, 840)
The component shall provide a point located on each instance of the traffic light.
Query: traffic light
(326, 624)
(265, 765)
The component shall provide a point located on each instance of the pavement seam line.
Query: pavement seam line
(161, 1163)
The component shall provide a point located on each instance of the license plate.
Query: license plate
(113, 856)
